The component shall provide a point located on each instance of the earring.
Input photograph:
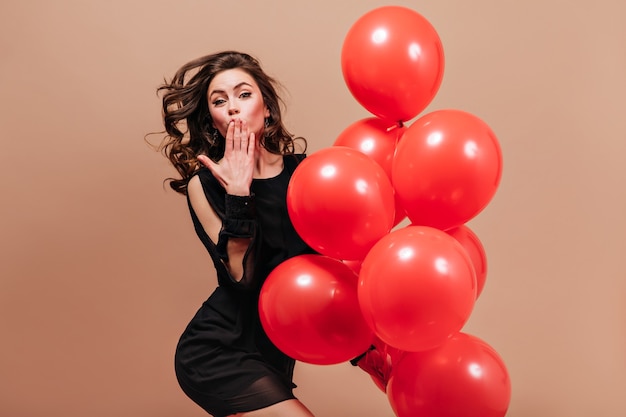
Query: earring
(215, 136)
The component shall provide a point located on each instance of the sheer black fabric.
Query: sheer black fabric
(267, 390)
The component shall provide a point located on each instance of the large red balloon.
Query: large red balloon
(464, 377)
(376, 138)
(474, 247)
(446, 169)
(392, 61)
(309, 309)
(417, 287)
(341, 202)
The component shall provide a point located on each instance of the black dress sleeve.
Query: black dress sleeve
(238, 215)
(239, 221)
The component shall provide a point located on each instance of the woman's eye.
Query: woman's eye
(219, 102)
(245, 94)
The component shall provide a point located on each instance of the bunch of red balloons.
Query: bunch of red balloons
(408, 290)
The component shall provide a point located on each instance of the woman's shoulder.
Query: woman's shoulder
(205, 177)
(203, 182)
(298, 156)
(292, 160)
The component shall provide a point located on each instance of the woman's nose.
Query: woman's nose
(233, 110)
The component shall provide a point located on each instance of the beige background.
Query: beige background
(99, 265)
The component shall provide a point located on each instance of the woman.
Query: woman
(226, 139)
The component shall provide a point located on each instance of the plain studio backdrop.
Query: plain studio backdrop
(100, 269)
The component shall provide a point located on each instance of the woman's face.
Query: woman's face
(233, 94)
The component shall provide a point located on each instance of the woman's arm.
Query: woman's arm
(231, 236)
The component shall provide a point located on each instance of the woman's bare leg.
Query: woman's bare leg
(288, 408)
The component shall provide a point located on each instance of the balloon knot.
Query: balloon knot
(398, 125)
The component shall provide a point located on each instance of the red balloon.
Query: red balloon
(341, 202)
(474, 247)
(446, 169)
(417, 287)
(376, 138)
(309, 309)
(464, 377)
(355, 266)
(392, 61)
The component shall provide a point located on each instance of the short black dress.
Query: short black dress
(224, 360)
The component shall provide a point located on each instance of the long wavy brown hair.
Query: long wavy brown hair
(189, 130)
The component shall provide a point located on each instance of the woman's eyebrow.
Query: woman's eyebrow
(235, 88)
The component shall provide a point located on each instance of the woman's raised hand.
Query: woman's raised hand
(234, 171)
